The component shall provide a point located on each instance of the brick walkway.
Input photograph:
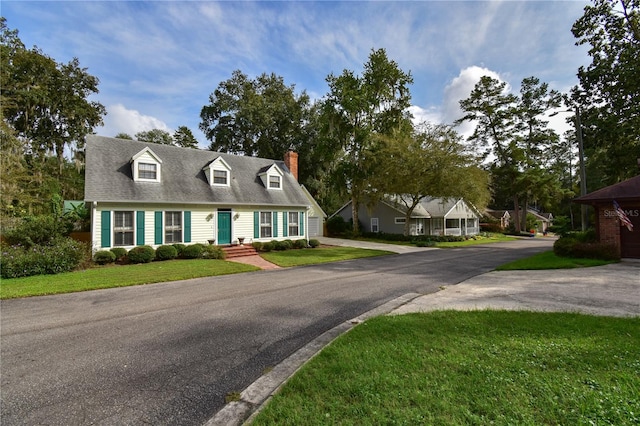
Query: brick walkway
(255, 261)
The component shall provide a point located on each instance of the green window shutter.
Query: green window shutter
(274, 215)
(285, 224)
(140, 228)
(302, 224)
(256, 224)
(105, 228)
(187, 227)
(157, 227)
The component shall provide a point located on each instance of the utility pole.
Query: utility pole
(583, 174)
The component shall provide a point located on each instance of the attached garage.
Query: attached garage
(314, 227)
(609, 226)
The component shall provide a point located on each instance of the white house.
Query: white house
(143, 193)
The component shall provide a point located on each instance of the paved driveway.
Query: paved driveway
(167, 354)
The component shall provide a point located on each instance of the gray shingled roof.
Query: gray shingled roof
(109, 177)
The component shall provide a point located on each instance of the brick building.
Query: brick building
(609, 228)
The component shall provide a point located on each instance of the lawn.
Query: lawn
(494, 238)
(172, 270)
(479, 367)
(319, 255)
(118, 276)
(548, 260)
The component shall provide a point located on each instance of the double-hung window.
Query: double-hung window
(220, 177)
(172, 227)
(294, 224)
(123, 228)
(274, 181)
(147, 171)
(265, 225)
(374, 225)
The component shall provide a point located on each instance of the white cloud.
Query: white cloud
(458, 89)
(119, 119)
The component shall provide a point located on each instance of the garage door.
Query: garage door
(314, 227)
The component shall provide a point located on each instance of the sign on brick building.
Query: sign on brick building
(620, 226)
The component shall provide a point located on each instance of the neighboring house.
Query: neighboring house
(543, 220)
(503, 216)
(144, 193)
(432, 216)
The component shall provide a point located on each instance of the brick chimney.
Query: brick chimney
(291, 161)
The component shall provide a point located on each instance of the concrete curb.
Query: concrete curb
(256, 395)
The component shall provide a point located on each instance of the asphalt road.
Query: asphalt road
(169, 353)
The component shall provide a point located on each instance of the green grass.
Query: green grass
(118, 276)
(474, 368)
(548, 260)
(319, 255)
(479, 240)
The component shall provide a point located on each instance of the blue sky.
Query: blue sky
(158, 62)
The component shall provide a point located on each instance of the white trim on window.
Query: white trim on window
(266, 225)
(400, 220)
(294, 224)
(218, 172)
(173, 227)
(124, 228)
(375, 225)
(275, 182)
(146, 166)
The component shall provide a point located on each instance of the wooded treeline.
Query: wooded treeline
(358, 142)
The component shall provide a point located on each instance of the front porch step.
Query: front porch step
(239, 251)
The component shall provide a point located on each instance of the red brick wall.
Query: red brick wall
(608, 225)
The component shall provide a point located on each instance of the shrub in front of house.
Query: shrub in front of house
(38, 230)
(491, 227)
(193, 251)
(279, 245)
(213, 252)
(596, 251)
(60, 255)
(141, 254)
(267, 247)
(166, 253)
(314, 243)
(179, 248)
(257, 245)
(119, 252)
(103, 257)
(300, 244)
(337, 226)
(563, 246)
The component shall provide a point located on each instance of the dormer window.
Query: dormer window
(218, 172)
(220, 177)
(148, 171)
(271, 177)
(274, 182)
(146, 166)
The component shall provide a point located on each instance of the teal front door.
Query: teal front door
(224, 228)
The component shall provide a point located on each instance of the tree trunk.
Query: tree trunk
(516, 213)
(524, 214)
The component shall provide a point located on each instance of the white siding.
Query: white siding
(203, 222)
